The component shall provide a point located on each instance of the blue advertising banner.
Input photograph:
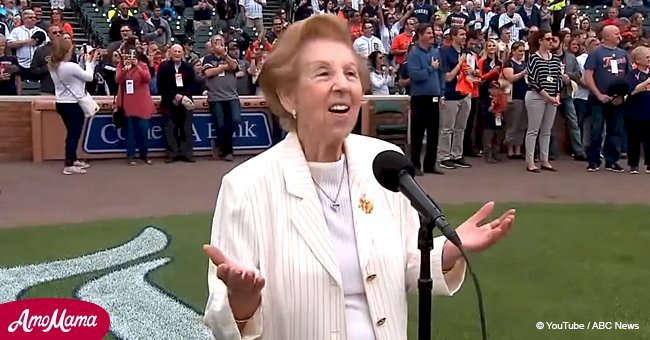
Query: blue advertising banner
(102, 137)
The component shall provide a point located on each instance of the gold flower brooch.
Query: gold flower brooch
(365, 204)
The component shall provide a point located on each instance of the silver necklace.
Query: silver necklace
(334, 204)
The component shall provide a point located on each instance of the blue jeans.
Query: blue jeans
(227, 116)
(609, 117)
(73, 119)
(137, 134)
(575, 128)
(582, 112)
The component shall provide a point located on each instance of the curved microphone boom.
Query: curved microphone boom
(395, 173)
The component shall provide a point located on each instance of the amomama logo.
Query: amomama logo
(52, 318)
(138, 308)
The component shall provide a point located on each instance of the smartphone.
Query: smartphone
(84, 48)
(132, 53)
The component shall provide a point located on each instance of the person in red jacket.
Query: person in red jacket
(134, 98)
(258, 47)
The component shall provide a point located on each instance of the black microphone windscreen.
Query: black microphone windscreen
(387, 167)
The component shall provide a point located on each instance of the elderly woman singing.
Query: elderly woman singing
(305, 243)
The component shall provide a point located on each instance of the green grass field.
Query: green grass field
(575, 263)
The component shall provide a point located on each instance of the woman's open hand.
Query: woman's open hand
(244, 286)
(477, 236)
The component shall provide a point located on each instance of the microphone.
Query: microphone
(395, 173)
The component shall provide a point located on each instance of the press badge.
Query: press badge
(435, 99)
(179, 80)
(614, 65)
(129, 86)
(497, 121)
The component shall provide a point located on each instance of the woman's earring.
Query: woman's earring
(293, 114)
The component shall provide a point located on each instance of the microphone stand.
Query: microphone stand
(425, 283)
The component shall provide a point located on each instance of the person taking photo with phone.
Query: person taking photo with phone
(134, 99)
(69, 87)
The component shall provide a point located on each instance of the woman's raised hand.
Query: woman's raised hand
(244, 285)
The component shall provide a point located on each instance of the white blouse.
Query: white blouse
(70, 81)
(380, 83)
(332, 178)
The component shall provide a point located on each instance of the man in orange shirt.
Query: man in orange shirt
(402, 41)
(356, 26)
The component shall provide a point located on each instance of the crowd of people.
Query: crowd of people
(482, 77)
(487, 78)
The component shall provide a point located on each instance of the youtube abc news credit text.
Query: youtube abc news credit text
(591, 325)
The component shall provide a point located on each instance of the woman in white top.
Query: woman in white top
(305, 244)
(382, 77)
(389, 27)
(70, 86)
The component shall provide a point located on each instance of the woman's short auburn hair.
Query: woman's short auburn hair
(60, 52)
(280, 73)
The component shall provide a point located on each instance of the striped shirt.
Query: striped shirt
(545, 74)
(25, 53)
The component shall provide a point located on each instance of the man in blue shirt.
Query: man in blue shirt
(605, 71)
(455, 106)
(422, 11)
(423, 63)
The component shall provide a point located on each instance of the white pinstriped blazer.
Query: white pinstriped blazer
(268, 217)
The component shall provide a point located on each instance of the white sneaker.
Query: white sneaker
(73, 170)
(81, 164)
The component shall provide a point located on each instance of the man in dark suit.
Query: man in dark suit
(176, 80)
(530, 14)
